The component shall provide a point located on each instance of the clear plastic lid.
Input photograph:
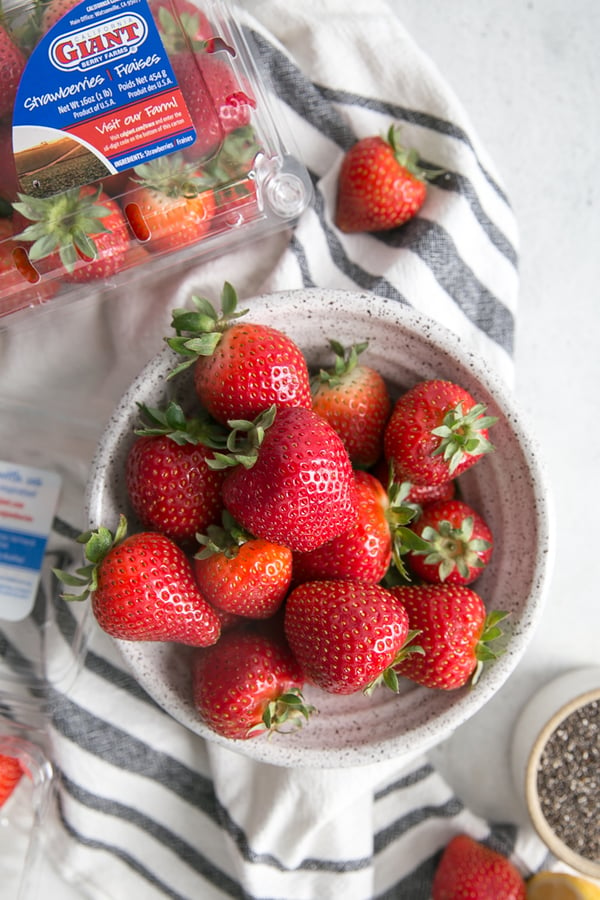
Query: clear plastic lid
(137, 135)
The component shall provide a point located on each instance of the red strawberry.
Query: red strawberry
(355, 401)
(55, 10)
(293, 481)
(142, 588)
(10, 775)
(420, 494)
(180, 21)
(459, 543)
(233, 100)
(424, 494)
(21, 284)
(241, 574)
(240, 369)
(347, 636)
(454, 633)
(205, 118)
(12, 63)
(9, 181)
(168, 205)
(248, 684)
(82, 228)
(364, 552)
(468, 870)
(170, 485)
(216, 100)
(381, 185)
(231, 175)
(436, 432)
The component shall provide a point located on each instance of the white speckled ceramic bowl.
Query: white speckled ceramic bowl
(507, 487)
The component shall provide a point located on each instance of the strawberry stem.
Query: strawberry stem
(290, 710)
(491, 632)
(97, 546)
(461, 435)
(200, 330)
(172, 422)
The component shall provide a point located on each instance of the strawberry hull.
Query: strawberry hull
(95, 100)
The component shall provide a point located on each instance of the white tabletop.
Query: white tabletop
(527, 75)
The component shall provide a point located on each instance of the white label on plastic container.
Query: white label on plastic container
(28, 498)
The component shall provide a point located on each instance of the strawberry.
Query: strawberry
(55, 10)
(348, 636)
(468, 870)
(168, 205)
(364, 552)
(290, 480)
(248, 684)
(355, 401)
(423, 494)
(142, 588)
(11, 773)
(232, 99)
(180, 21)
(454, 632)
(170, 485)
(204, 115)
(82, 228)
(459, 543)
(381, 185)
(420, 494)
(241, 574)
(9, 181)
(240, 369)
(12, 63)
(217, 101)
(230, 174)
(21, 284)
(436, 432)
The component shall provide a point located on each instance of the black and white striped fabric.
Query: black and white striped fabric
(144, 808)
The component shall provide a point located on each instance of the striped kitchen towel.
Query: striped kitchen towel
(145, 809)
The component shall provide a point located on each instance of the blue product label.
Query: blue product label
(98, 96)
(28, 498)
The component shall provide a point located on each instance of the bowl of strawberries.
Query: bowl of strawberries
(318, 519)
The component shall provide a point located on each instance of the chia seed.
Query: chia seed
(568, 781)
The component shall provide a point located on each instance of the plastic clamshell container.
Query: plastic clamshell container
(24, 815)
(156, 112)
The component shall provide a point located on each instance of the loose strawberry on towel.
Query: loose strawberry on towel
(459, 543)
(454, 632)
(354, 399)
(242, 574)
(240, 368)
(381, 184)
(468, 870)
(348, 636)
(290, 479)
(142, 588)
(248, 684)
(436, 431)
